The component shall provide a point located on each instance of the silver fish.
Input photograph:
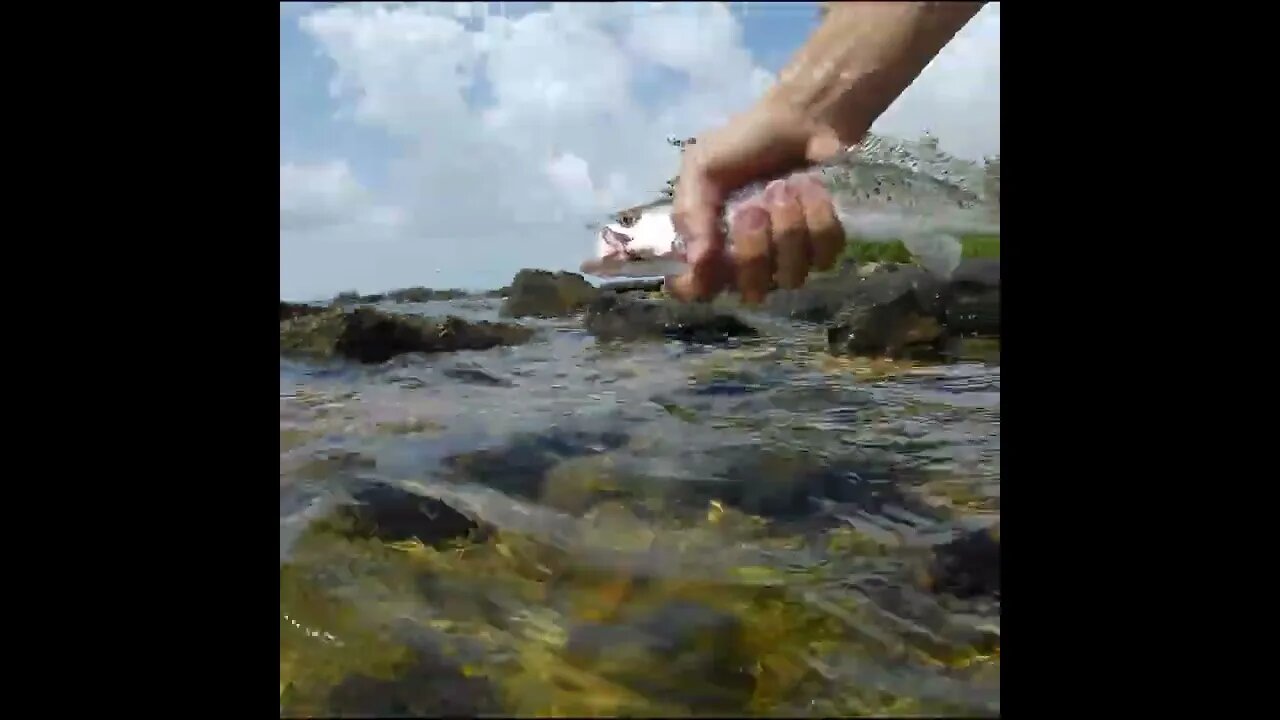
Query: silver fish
(882, 191)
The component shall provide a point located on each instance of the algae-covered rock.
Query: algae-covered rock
(519, 467)
(613, 316)
(683, 651)
(891, 313)
(427, 685)
(292, 310)
(372, 336)
(540, 293)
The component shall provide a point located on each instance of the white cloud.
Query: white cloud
(516, 131)
(957, 96)
(326, 199)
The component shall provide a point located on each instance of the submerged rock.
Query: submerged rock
(968, 566)
(683, 651)
(392, 514)
(540, 293)
(613, 316)
(427, 685)
(519, 467)
(891, 313)
(372, 336)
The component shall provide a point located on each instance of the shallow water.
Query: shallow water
(668, 529)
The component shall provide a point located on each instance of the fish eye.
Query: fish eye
(626, 220)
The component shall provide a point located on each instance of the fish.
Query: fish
(882, 191)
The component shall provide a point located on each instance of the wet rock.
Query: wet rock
(973, 303)
(428, 686)
(392, 514)
(372, 336)
(540, 293)
(968, 566)
(897, 314)
(685, 652)
(292, 310)
(423, 294)
(613, 316)
(476, 375)
(634, 286)
(817, 301)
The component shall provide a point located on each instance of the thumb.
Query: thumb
(696, 217)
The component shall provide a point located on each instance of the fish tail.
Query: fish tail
(938, 253)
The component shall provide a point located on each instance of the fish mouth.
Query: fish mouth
(615, 240)
(618, 259)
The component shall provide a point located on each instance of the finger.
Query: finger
(826, 235)
(696, 216)
(790, 235)
(751, 252)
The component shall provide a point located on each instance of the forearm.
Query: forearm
(862, 57)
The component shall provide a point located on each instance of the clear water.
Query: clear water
(675, 529)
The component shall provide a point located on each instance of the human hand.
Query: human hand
(778, 235)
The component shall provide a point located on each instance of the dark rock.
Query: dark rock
(519, 467)
(973, 303)
(373, 298)
(783, 486)
(476, 376)
(968, 566)
(634, 286)
(613, 316)
(292, 310)
(428, 686)
(350, 297)
(819, 300)
(976, 274)
(686, 652)
(372, 336)
(391, 514)
(540, 293)
(422, 294)
(892, 313)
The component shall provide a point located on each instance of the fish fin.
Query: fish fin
(939, 254)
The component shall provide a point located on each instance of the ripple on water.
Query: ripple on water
(742, 529)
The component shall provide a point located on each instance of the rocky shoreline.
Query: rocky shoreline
(875, 310)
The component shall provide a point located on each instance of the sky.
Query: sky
(452, 144)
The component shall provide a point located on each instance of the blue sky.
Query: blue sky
(449, 145)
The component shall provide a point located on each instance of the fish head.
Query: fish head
(640, 242)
